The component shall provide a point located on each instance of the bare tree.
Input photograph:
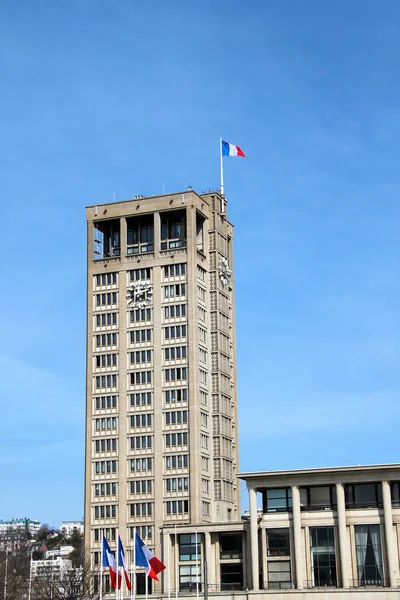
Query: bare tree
(70, 584)
(14, 575)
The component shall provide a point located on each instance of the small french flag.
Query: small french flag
(145, 558)
(231, 150)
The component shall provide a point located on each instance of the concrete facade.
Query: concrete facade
(357, 508)
(161, 407)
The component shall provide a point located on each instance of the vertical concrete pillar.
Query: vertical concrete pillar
(253, 537)
(343, 544)
(210, 562)
(298, 550)
(264, 557)
(388, 518)
(168, 562)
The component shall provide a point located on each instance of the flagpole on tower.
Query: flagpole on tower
(221, 189)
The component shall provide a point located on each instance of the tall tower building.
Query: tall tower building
(161, 406)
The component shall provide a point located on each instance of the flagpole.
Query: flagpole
(221, 170)
(197, 566)
(5, 574)
(169, 567)
(30, 577)
(117, 581)
(146, 584)
(101, 566)
(176, 564)
(133, 590)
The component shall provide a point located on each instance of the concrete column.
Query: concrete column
(264, 562)
(388, 518)
(167, 560)
(210, 562)
(298, 545)
(343, 545)
(253, 537)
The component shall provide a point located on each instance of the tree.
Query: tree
(42, 533)
(71, 584)
(14, 574)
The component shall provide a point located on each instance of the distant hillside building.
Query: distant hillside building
(68, 527)
(21, 525)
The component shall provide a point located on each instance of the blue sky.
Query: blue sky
(129, 96)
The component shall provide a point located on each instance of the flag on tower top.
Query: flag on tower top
(231, 150)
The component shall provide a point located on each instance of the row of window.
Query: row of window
(175, 331)
(105, 360)
(141, 442)
(140, 274)
(140, 335)
(107, 511)
(105, 381)
(104, 319)
(140, 356)
(141, 377)
(176, 374)
(105, 489)
(105, 466)
(175, 291)
(106, 279)
(140, 314)
(138, 399)
(106, 339)
(177, 507)
(106, 445)
(175, 311)
(142, 399)
(141, 464)
(176, 417)
(105, 423)
(142, 420)
(141, 486)
(110, 339)
(106, 299)
(105, 402)
(145, 531)
(175, 352)
(141, 509)
(175, 270)
(172, 396)
(177, 484)
(177, 461)
(323, 557)
(363, 495)
(176, 439)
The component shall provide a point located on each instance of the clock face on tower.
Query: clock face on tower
(224, 272)
(139, 294)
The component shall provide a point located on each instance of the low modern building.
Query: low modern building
(52, 568)
(320, 531)
(62, 551)
(68, 527)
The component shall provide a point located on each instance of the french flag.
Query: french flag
(231, 150)
(145, 558)
(108, 561)
(122, 563)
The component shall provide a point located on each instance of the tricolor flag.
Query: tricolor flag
(145, 558)
(122, 563)
(108, 561)
(231, 150)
